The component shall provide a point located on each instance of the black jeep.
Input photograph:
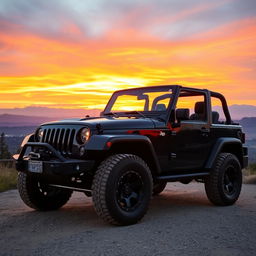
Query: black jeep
(143, 139)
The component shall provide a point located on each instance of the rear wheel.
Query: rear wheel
(223, 186)
(41, 196)
(122, 189)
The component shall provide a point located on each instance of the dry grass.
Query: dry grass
(8, 178)
(249, 174)
(249, 179)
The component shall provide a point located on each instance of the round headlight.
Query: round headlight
(40, 134)
(84, 135)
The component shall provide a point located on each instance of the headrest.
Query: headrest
(182, 114)
(215, 117)
(200, 107)
(160, 107)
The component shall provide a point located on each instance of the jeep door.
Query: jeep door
(189, 142)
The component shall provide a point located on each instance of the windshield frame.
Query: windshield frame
(134, 91)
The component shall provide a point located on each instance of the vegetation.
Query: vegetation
(8, 175)
(8, 178)
(250, 174)
(250, 170)
(4, 152)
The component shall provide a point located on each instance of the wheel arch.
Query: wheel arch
(226, 145)
(127, 144)
(143, 149)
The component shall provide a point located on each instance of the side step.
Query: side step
(71, 188)
(178, 177)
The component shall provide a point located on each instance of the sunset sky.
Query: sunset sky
(74, 53)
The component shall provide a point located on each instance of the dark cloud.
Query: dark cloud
(90, 19)
(45, 18)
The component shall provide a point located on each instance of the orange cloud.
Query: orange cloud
(42, 71)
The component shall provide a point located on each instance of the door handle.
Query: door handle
(205, 131)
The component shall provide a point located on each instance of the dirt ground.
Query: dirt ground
(181, 221)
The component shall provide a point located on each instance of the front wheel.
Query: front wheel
(223, 186)
(41, 196)
(122, 189)
(159, 187)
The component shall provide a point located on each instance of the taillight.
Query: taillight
(243, 137)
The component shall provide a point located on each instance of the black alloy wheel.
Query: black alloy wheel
(39, 195)
(129, 191)
(231, 180)
(223, 186)
(122, 189)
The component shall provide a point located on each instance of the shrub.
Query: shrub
(8, 178)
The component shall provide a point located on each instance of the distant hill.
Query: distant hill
(17, 131)
(248, 122)
(237, 111)
(55, 113)
(240, 111)
(21, 120)
(249, 127)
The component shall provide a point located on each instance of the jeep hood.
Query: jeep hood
(108, 123)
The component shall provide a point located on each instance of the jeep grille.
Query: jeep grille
(60, 138)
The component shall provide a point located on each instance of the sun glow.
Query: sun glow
(37, 70)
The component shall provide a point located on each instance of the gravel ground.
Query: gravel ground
(180, 221)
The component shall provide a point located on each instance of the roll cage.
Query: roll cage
(169, 114)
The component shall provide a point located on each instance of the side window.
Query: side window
(191, 107)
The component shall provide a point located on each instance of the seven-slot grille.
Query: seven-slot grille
(60, 138)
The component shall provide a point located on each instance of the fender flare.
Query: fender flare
(217, 148)
(27, 139)
(105, 142)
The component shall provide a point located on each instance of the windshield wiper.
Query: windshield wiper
(111, 114)
(135, 112)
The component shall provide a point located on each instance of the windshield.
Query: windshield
(143, 100)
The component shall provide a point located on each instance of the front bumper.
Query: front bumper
(57, 165)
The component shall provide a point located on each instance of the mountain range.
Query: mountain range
(46, 113)
(21, 120)
(238, 112)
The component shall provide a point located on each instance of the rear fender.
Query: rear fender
(228, 145)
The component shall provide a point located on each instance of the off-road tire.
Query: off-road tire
(109, 189)
(40, 196)
(223, 186)
(159, 187)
